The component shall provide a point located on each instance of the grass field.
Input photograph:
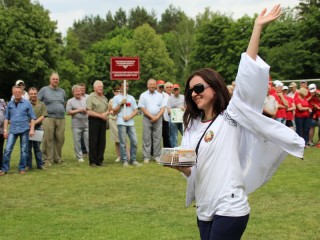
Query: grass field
(74, 201)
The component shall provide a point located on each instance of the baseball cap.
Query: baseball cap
(285, 88)
(275, 82)
(161, 82)
(303, 81)
(279, 84)
(19, 82)
(293, 84)
(312, 87)
(176, 85)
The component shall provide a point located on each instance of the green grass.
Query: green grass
(74, 201)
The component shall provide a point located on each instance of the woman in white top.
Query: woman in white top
(232, 140)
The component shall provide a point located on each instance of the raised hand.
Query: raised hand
(264, 18)
(260, 21)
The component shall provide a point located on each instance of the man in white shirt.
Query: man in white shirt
(152, 105)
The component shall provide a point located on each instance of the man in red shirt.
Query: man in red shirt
(314, 104)
(293, 92)
(290, 110)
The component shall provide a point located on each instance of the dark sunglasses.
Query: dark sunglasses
(198, 88)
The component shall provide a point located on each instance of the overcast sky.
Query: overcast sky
(66, 11)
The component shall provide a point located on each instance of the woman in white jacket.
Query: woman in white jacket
(232, 140)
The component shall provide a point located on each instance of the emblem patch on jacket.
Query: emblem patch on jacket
(208, 136)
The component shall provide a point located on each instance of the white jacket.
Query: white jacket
(264, 142)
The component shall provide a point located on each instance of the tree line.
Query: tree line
(169, 48)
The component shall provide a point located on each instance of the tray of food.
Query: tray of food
(178, 157)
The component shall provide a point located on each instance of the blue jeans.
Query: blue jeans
(37, 153)
(122, 132)
(282, 120)
(24, 142)
(174, 127)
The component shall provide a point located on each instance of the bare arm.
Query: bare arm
(146, 113)
(32, 123)
(39, 120)
(260, 21)
(127, 118)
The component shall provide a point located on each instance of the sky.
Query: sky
(65, 12)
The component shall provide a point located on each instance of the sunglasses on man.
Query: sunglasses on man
(198, 88)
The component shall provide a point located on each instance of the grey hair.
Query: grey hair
(150, 80)
(54, 73)
(74, 87)
(97, 83)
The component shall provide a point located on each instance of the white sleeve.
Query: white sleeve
(252, 82)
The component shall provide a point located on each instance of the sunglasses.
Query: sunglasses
(198, 88)
(118, 91)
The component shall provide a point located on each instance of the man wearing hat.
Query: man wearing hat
(293, 92)
(165, 120)
(176, 100)
(314, 104)
(25, 95)
(290, 110)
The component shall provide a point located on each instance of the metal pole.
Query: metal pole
(125, 96)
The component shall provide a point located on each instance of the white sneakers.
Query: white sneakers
(135, 163)
(118, 159)
(147, 160)
(81, 160)
(126, 164)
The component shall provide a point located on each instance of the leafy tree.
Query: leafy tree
(154, 58)
(89, 30)
(110, 22)
(209, 50)
(120, 18)
(138, 16)
(98, 58)
(180, 44)
(170, 19)
(29, 44)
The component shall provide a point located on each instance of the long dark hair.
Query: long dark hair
(220, 101)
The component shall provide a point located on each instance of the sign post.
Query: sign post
(125, 68)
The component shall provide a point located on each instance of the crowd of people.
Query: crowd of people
(31, 112)
(298, 109)
(93, 114)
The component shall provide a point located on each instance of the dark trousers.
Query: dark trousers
(97, 140)
(302, 128)
(1, 149)
(223, 228)
(166, 134)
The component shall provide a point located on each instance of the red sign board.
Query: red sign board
(124, 68)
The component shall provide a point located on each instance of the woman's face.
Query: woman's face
(204, 100)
